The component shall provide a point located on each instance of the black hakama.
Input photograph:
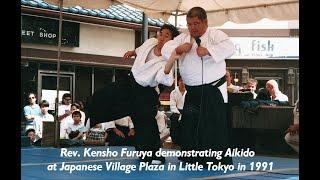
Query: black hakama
(204, 123)
(110, 103)
(128, 98)
(145, 102)
(115, 140)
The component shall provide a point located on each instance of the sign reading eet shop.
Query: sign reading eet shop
(46, 31)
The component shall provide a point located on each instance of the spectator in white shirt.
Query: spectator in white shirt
(76, 129)
(63, 112)
(273, 88)
(162, 126)
(177, 97)
(230, 87)
(44, 116)
(75, 107)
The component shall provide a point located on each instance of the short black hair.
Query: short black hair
(174, 31)
(66, 95)
(76, 113)
(197, 12)
(30, 130)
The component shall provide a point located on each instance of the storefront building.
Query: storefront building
(92, 50)
(265, 54)
(93, 46)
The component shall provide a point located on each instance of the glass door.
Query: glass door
(47, 86)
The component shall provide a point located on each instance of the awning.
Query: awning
(221, 11)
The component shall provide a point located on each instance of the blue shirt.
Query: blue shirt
(35, 111)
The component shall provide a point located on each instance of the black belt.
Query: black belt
(220, 81)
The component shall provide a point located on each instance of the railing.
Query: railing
(263, 117)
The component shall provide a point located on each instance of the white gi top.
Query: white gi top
(150, 73)
(219, 46)
(177, 100)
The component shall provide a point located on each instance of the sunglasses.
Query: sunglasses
(32, 97)
(67, 99)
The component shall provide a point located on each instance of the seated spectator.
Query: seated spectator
(231, 88)
(121, 132)
(44, 116)
(76, 129)
(34, 140)
(76, 107)
(96, 135)
(251, 86)
(69, 119)
(276, 94)
(263, 99)
(292, 133)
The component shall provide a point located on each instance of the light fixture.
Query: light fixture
(245, 75)
(235, 79)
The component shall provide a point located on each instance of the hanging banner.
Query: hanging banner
(265, 48)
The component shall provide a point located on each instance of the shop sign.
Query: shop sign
(39, 30)
(265, 48)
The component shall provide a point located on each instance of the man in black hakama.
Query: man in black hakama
(201, 53)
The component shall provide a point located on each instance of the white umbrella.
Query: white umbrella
(90, 4)
(221, 11)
